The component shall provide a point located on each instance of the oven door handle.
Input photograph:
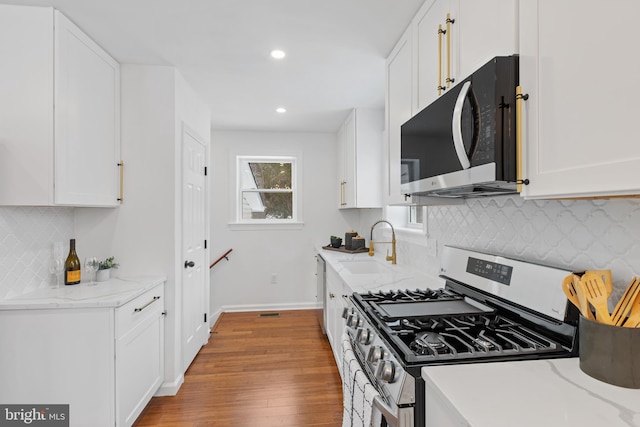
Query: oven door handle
(389, 416)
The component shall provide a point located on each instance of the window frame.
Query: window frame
(238, 222)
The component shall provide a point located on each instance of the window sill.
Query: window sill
(252, 226)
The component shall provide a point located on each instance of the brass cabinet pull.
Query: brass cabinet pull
(449, 21)
(121, 166)
(440, 33)
(137, 310)
(342, 196)
(520, 98)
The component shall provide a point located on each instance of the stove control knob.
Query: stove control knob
(376, 353)
(364, 336)
(354, 321)
(346, 312)
(386, 371)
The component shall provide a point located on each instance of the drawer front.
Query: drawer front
(137, 310)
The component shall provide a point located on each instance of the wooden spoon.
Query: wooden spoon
(569, 288)
(596, 293)
(624, 306)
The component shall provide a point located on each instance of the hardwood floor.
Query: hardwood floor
(256, 372)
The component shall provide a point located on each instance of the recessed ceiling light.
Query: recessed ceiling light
(281, 110)
(278, 54)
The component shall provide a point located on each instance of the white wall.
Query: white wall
(244, 282)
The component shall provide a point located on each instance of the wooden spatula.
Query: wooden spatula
(569, 288)
(633, 321)
(606, 278)
(596, 293)
(624, 306)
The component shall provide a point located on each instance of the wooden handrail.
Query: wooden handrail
(220, 259)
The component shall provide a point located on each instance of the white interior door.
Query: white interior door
(194, 293)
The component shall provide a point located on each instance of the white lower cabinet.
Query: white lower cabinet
(336, 301)
(104, 362)
(139, 354)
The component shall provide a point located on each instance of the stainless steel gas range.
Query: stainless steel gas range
(492, 308)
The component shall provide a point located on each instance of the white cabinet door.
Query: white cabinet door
(434, 50)
(359, 158)
(333, 310)
(473, 32)
(347, 162)
(26, 99)
(484, 30)
(87, 119)
(139, 354)
(399, 96)
(580, 118)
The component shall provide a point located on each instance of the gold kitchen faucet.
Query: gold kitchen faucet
(391, 258)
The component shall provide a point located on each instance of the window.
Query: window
(410, 218)
(415, 217)
(266, 190)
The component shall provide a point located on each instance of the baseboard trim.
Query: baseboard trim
(213, 318)
(170, 388)
(268, 307)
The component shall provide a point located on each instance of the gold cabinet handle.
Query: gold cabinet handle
(121, 166)
(520, 98)
(342, 196)
(440, 33)
(139, 309)
(449, 21)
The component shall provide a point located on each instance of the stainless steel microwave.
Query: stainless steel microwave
(464, 143)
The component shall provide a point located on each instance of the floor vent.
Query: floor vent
(269, 315)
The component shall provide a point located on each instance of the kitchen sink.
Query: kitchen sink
(366, 267)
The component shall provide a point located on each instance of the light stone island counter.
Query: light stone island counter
(111, 293)
(363, 273)
(550, 393)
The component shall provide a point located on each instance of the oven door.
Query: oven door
(363, 396)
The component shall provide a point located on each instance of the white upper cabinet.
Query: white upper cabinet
(359, 159)
(446, 41)
(60, 113)
(434, 40)
(453, 38)
(87, 119)
(26, 105)
(580, 118)
(399, 100)
(483, 30)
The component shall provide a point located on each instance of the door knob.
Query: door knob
(189, 264)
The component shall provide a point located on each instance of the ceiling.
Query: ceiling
(336, 51)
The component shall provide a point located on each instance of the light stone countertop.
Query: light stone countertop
(111, 293)
(550, 393)
(388, 277)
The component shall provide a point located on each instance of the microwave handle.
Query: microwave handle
(456, 129)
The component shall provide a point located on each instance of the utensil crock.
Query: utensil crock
(610, 353)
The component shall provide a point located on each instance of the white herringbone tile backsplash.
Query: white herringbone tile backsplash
(577, 234)
(27, 235)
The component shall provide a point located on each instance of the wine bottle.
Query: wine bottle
(72, 266)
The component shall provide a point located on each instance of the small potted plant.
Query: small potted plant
(104, 269)
(336, 241)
